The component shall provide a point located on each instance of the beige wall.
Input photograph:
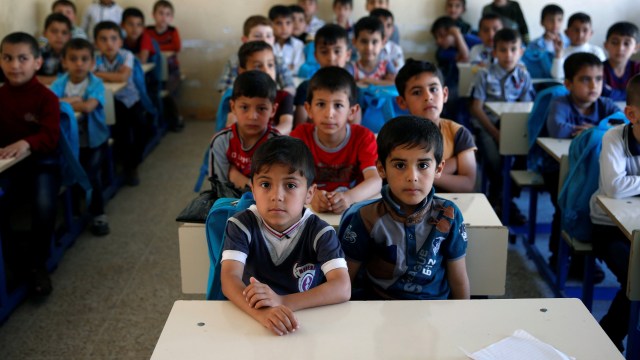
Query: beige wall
(211, 29)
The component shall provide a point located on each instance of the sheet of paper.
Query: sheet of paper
(520, 345)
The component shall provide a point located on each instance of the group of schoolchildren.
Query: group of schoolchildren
(67, 68)
(408, 244)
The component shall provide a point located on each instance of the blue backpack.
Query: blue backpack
(582, 180)
(538, 159)
(378, 106)
(71, 169)
(139, 82)
(224, 107)
(538, 63)
(220, 212)
(310, 65)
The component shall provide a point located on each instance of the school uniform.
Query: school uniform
(542, 44)
(615, 87)
(313, 26)
(51, 62)
(481, 54)
(564, 116)
(291, 52)
(97, 13)
(392, 53)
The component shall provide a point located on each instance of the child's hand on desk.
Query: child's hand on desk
(320, 202)
(578, 129)
(72, 99)
(340, 201)
(16, 149)
(280, 320)
(260, 295)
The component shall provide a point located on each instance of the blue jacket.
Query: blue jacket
(538, 160)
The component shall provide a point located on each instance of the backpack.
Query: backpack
(141, 85)
(310, 65)
(582, 179)
(378, 106)
(224, 107)
(538, 159)
(222, 210)
(69, 144)
(538, 63)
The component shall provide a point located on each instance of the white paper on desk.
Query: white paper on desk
(520, 345)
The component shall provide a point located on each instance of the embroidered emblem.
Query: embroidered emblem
(304, 274)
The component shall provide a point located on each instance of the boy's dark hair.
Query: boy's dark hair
(22, 38)
(633, 91)
(249, 48)
(63, 3)
(333, 79)
(443, 22)
(279, 11)
(78, 44)
(287, 151)
(577, 61)
(551, 10)
(623, 28)
(343, 3)
(106, 25)
(370, 24)
(488, 17)
(506, 35)
(464, 4)
(408, 132)
(381, 13)
(579, 17)
(296, 9)
(57, 18)
(253, 21)
(412, 68)
(163, 4)
(330, 34)
(254, 84)
(132, 12)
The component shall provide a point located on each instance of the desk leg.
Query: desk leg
(633, 339)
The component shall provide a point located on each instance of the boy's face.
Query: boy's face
(552, 24)
(508, 54)
(369, 44)
(283, 28)
(333, 55)
(299, 24)
(109, 42)
(444, 39)
(18, 63)
(488, 29)
(342, 12)
(579, 33)
(57, 35)
(280, 195)
(424, 96)
(66, 11)
(163, 16)
(253, 115)
(310, 7)
(78, 63)
(263, 61)
(330, 111)
(134, 27)
(377, 4)
(620, 48)
(586, 85)
(410, 173)
(260, 33)
(388, 27)
(454, 9)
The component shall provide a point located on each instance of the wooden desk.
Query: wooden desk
(554, 147)
(114, 87)
(7, 163)
(382, 330)
(486, 250)
(148, 67)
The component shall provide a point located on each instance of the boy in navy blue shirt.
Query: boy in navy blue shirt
(621, 45)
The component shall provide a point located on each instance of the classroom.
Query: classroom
(134, 267)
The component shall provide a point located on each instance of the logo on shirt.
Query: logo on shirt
(463, 232)
(304, 274)
(350, 236)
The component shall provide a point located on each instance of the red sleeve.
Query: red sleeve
(176, 44)
(46, 139)
(146, 44)
(367, 148)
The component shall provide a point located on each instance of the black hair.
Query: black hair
(409, 131)
(381, 13)
(249, 48)
(333, 79)
(57, 18)
(506, 35)
(254, 84)
(488, 17)
(464, 3)
(551, 10)
(161, 4)
(279, 11)
(577, 61)
(443, 22)
(330, 34)
(343, 2)
(287, 151)
(579, 17)
(633, 91)
(412, 68)
(132, 12)
(106, 25)
(64, 3)
(78, 44)
(623, 28)
(22, 38)
(296, 9)
(370, 24)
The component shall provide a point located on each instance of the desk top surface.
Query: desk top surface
(7, 163)
(382, 330)
(624, 212)
(501, 107)
(115, 87)
(148, 67)
(554, 147)
(475, 209)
